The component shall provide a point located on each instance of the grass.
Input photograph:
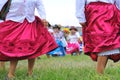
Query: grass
(65, 68)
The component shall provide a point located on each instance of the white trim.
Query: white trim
(110, 52)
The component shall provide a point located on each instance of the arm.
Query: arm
(80, 7)
(41, 11)
(118, 4)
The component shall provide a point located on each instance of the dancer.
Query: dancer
(22, 34)
(100, 20)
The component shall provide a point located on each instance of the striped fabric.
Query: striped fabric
(5, 10)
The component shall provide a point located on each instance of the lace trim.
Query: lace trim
(110, 52)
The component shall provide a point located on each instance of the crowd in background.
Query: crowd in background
(68, 39)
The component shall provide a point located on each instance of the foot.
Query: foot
(9, 77)
(29, 74)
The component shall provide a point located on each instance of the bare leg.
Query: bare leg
(101, 64)
(2, 65)
(13, 64)
(48, 56)
(80, 52)
(77, 53)
(31, 63)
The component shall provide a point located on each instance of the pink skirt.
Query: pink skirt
(24, 40)
(102, 32)
(72, 47)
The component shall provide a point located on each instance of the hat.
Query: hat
(49, 25)
(66, 30)
(56, 26)
(73, 28)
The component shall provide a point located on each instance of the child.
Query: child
(60, 40)
(73, 42)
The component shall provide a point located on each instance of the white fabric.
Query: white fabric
(64, 42)
(110, 52)
(80, 4)
(21, 9)
(73, 38)
(58, 35)
(50, 30)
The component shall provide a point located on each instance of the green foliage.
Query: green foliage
(64, 68)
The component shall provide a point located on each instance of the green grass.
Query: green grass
(65, 68)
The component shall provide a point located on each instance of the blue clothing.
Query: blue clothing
(59, 51)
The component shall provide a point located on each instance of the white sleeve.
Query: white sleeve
(118, 4)
(40, 9)
(2, 3)
(80, 7)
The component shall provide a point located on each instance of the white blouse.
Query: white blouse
(58, 35)
(80, 4)
(21, 9)
(73, 38)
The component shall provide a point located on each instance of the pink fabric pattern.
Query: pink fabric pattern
(102, 32)
(24, 40)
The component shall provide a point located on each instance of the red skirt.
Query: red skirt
(102, 32)
(24, 40)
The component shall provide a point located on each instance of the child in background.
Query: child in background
(73, 40)
(60, 40)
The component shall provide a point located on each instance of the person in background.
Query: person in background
(73, 40)
(59, 37)
(66, 32)
(81, 43)
(50, 29)
(22, 34)
(100, 20)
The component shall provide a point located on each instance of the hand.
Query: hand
(45, 22)
(83, 24)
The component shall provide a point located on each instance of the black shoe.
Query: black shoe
(55, 55)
